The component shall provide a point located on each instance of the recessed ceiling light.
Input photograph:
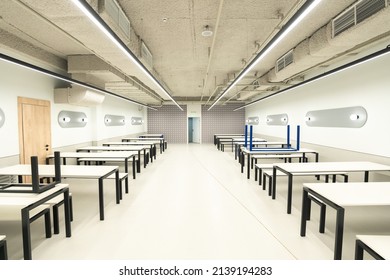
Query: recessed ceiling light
(206, 31)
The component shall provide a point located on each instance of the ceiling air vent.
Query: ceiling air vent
(284, 61)
(112, 8)
(146, 55)
(356, 14)
(343, 22)
(367, 8)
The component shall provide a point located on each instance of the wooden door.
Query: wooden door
(34, 129)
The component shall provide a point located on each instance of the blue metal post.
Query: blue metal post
(250, 139)
(246, 136)
(288, 137)
(298, 137)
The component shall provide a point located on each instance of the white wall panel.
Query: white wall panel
(366, 85)
(17, 81)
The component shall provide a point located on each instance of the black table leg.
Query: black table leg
(26, 234)
(249, 165)
(101, 199)
(289, 192)
(68, 231)
(305, 210)
(339, 233)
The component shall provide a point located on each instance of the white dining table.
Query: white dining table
(291, 169)
(99, 172)
(342, 195)
(23, 203)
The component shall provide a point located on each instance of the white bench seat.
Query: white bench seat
(259, 168)
(88, 160)
(102, 159)
(9, 213)
(272, 156)
(55, 203)
(286, 157)
(122, 176)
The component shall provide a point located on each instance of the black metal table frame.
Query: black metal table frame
(3, 250)
(361, 247)
(290, 183)
(340, 213)
(118, 190)
(25, 214)
(249, 165)
(153, 150)
(108, 149)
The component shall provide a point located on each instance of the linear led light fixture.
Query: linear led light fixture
(96, 19)
(294, 20)
(326, 74)
(66, 79)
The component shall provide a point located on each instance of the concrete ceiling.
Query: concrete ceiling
(56, 35)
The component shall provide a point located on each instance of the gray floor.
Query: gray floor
(191, 203)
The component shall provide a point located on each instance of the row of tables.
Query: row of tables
(335, 195)
(129, 150)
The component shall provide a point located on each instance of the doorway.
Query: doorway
(34, 129)
(194, 130)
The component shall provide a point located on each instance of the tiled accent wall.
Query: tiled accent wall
(170, 121)
(221, 119)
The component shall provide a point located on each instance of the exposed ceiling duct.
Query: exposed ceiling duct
(77, 95)
(166, 37)
(323, 45)
(112, 13)
(92, 69)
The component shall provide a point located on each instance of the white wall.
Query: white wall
(115, 106)
(17, 81)
(194, 111)
(366, 85)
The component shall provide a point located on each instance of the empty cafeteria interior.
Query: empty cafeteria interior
(195, 74)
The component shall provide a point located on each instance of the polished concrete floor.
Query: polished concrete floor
(191, 203)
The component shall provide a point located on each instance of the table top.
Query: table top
(107, 154)
(379, 243)
(271, 156)
(152, 135)
(25, 199)
(348, 166)
(144, 139)
(260, 142)
(69, 171)
(354, 194)
(277, 151)
(229, 134)
(107, 148)
(222, 136)
(243, 140)
(141, 142)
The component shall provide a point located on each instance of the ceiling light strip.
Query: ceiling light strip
(306, 8)
(66, 79)
(96, 19)
(326, 74)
